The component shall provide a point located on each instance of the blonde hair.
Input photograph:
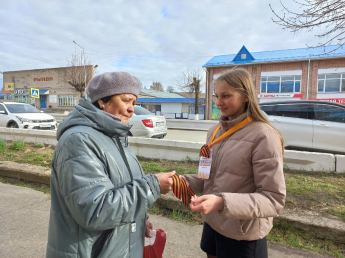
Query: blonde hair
(240, 79)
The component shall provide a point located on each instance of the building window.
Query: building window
(333, 82)
(243, 56)
(22, 99)
(192, 109)
(68, 100)
(281, 84)
(9, 95)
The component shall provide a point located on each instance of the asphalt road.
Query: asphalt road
(186, 135)
(24, 216)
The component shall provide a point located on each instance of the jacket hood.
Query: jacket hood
(86, 114)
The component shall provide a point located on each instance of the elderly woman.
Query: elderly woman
(99, 192)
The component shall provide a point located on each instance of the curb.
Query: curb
(317, 226)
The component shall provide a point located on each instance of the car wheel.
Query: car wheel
(13, 125)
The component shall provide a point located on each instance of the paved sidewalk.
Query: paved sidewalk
(24, 215)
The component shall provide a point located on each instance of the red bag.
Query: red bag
(154, 246)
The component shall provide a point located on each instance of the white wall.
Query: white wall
(282, 73)
(171, 108)
(330, 95)
(182, 150)
(192, 116)
(331, 70)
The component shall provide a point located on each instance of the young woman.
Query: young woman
(246, 186)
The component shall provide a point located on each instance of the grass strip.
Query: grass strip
(281, 233)
(23, 183)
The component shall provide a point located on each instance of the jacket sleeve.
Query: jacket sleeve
(91, 197)
(195, 183)
(268, 199)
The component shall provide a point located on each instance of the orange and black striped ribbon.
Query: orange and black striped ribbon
(205, 149)
(181, 190)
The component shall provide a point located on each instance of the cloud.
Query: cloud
(154, 40)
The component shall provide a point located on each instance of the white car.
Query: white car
(309, 125)
(25, 116)
(146, 124)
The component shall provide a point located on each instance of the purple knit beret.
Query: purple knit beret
(109, 84)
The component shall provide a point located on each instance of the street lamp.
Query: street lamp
(84, 66)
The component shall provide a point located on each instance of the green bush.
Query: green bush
(38, 145)
(19, 145)
(2, 146)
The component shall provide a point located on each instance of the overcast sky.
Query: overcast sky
(153, 40)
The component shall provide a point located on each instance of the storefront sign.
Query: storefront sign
(35, 93)
(52, 98)
(43, 79)
(280, 95)
(335, 100)
(21, 92)
(9, 87)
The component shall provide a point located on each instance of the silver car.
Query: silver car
(309, 124)
(146, 124)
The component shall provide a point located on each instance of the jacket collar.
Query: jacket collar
(86, 114)
(226, 124)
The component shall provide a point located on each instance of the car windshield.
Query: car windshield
(141, 111)
(21, 108)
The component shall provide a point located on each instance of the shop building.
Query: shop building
(292, 74)
(171, 105)
(46, 89)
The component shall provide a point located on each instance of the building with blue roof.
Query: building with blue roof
(171, 105)
(290, 74)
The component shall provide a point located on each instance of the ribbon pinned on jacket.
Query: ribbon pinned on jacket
(181, 190)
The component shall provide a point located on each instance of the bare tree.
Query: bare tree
(76, 72)
(329, 14)
(170, 89)
(157, 86)
(192, 81)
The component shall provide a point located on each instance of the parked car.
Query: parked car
(25, 116)
(146, 124)
(309, 125)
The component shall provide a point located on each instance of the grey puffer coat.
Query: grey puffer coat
(94, 201)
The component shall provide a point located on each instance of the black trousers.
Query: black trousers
(220, 246)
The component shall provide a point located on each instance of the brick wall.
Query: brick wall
(256, 69)
(55, 80)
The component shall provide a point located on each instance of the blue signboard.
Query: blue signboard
(35, 93)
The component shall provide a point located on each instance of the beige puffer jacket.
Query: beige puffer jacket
(247, 171)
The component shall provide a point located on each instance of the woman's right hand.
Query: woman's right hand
(166, 181)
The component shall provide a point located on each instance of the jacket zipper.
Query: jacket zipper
(217, 155)
(215, 165)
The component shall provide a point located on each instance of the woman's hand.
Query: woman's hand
(207, 203)
(166, 181)
(148, 228)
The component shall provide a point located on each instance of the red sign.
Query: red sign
(280, 95)
(44, 79)
(339, 101)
